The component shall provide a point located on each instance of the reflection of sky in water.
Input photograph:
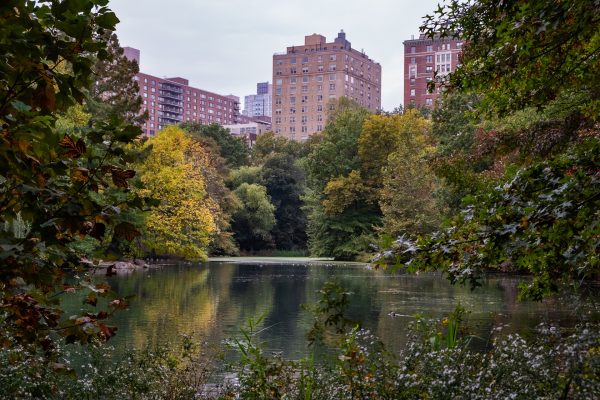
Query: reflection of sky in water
(214, 300)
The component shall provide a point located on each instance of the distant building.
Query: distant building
(172, 101)
(259, 104)
(249, 131)
(132, 54)
(307, 77)
(422, 57)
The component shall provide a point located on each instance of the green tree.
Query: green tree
(233, 149)
(284, 181)
(115, 92)
(342, 232)
(253, 221)
(532, 66)
(521, 54)
(52, 180)
(269, 144)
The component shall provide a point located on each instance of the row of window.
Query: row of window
(193, 93)
(292, 130)
(304, 119)
(443, 46)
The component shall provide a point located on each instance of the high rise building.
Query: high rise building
(173, 100)
(307, 77)
(422, 57)
(259, 104)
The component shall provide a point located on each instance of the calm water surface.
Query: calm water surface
(213, 300)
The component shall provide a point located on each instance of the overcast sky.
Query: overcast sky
(226, 46)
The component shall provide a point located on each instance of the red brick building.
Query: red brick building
(173, 100)
(422, 57)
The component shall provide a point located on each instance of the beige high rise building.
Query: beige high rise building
(306, 78)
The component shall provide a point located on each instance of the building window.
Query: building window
(320, 68)
(412, 82)
(429, 47)
(304, 129)
(304, 119)
(332, 67)
(293, 60)
(429, 69)
(305, 79)
(319, 108)
(292, 99)
(319, 78)
(293, 70)
(278, 82)
(304, 60)
(304, 88)
(429, 102)
(429, 59)
(413, 50)
(413, 60)
(332, 86)
(305, 70)
(332, 77)
(412, 92)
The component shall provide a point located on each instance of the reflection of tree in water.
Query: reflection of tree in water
(282, 320)
(215, 300)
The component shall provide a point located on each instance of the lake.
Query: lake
(213, 300)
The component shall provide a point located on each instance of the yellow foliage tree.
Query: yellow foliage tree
(184, 222)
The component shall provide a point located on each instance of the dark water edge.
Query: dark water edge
(212, 301)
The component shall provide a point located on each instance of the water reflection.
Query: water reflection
(215, 299)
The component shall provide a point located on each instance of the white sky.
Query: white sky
(226, 46)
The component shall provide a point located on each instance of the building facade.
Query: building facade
(173, 101)
(422, 57)
(306, 78)
(259, 104)
(249, 131)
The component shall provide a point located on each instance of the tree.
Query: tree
(184, 222)
(253, 221)
(521, 54)
(233, 149)
(333, 156)
(532, 65)
(284, 181)
(406, 185)
(51, 179)
(269, 144)
(115, 92)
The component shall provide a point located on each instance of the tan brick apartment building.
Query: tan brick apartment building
(307, 77)
(173, 100)
(422, 57)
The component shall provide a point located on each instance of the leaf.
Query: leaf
(127, 231)
(119, 177)
(80, 175)
(91, 299)
(107, 331)
(73, 149)
(98, 231)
